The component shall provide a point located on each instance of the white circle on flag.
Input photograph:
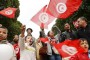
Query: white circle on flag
(61, 7)
(43, 17)
(17, 50)
(8, 12)
(69, 50)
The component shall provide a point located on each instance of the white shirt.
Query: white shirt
(7, 52)
(26, 52)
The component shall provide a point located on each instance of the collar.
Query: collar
(3, 42)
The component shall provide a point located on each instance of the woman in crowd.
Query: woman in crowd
(27, 52)
(50, 51)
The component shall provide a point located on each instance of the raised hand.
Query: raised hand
(23, 27)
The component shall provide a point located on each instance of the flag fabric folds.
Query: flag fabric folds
(68, 48)
(44, 40)
(42, 17)
(8, 12)
(63, 8)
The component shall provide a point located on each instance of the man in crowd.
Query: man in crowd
(6, 46)
(15, 39)
(68, 33)
(84, 30)
(15, 45)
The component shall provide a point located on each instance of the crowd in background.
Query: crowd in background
(29, 48)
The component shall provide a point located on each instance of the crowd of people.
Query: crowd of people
(29, 48)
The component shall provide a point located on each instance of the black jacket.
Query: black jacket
(84, 33)
(68, 35)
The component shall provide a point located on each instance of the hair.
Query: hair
(27, 36)
(4, 28)
(16, 35)
(29, 29)
(83, 18)
(48, 33)
(82, 39)
(66, 23)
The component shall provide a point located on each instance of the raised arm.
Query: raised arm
(22, 38)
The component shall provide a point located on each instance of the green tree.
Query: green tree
(12, 25)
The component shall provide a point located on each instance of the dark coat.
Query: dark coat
(84, 33)
(68, 35)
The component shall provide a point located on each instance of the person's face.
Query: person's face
(29, 39)
(0, 25)
(80, 22)
(51, 33)
(29, 31)
(66, 26)
(84, 45)
(16, 38)
(3, 34)
(76, 24)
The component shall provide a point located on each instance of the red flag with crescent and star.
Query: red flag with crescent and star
(42, 17)
(68, 48)
(8, 12)
(63, 8)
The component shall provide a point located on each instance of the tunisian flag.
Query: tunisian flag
(8, 12)
(42, 17)
(44, 40)
(17, 51)
(63, 8)
(68, 48)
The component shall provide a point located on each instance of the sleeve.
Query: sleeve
(14, 57)
(55, 50)
(63, 36)
(14, 54)
(74, 34)
(77, 33)
(21, 43)
(42, 33)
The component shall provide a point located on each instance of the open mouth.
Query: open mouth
(1, 37)
(85, 47)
